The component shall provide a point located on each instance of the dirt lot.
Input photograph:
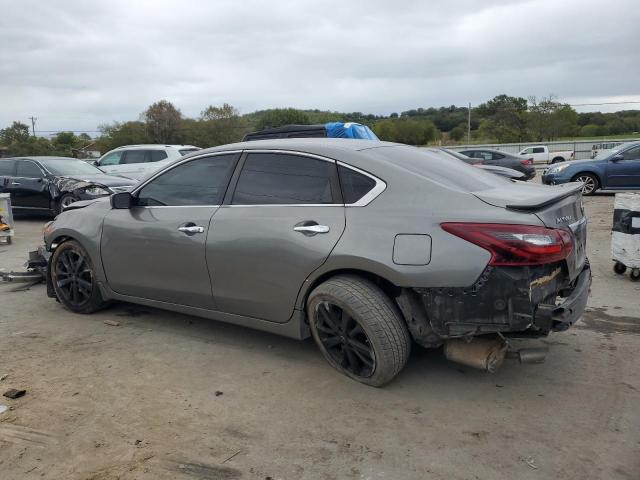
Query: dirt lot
(166, 396)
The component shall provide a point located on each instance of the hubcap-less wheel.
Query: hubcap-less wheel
(74, 278)
(66, 201)
(589, 184)
(345, 340)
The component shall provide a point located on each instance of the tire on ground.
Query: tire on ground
(95, 301)
(62, 200)
(590, 175)
(378, 316)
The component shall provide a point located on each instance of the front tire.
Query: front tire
(358, 329)
(64, 201)
(73, 278)
(591, 183)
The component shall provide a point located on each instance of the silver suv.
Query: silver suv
(136, 161)
(367, 246)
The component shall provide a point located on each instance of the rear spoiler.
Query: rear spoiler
(531, 205)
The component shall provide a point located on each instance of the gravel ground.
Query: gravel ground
(164, 396)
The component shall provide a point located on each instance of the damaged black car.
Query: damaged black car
(46, 185)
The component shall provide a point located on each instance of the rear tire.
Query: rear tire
(358, 329)
(557, 160)
(591, 183)
(73, 279)
(635, 274)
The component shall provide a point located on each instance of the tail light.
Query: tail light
(527, 161)
(515, 245)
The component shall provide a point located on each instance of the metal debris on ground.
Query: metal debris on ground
(14, 393)
(113, 323)
(531, 462)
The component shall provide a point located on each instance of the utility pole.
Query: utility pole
(33, 124)
(469, 125)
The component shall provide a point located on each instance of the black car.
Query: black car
(48, 184)
(502, 159)
(509, 173)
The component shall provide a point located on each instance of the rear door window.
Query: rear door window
(538, 150)
(632, 154)
(157, 155)
(286, 179)
(199, 182)
(135, 156)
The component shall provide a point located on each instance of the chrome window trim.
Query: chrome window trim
(369, 197)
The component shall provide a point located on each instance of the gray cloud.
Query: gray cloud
(76, 64)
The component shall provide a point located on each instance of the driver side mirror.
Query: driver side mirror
(121, 200)
(617, 158)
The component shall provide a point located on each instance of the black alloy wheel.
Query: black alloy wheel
(345, 340)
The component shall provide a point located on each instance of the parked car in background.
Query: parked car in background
(617, 169)
(502, 159)
(541, 154)
(326, 130)
(604, 146)
(49, 184)
(136, 161)
(501, 171)
(365, 246)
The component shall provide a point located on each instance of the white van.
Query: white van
(136, 161)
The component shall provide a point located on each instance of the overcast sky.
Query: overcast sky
(77, 64)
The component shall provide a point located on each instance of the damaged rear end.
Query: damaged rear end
(537, 280)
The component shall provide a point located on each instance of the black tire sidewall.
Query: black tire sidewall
(384, 371)
(59, 208)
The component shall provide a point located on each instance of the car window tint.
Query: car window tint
(274, 178)
(538, 150)
(28, 170)
(6, 167)
(354, 185)
(496, 156)
(632, 154)
(157, 155)
(199, 182)
(135, 156)
(112, 158)
(485, 155)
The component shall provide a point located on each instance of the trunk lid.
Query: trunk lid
(556, 206)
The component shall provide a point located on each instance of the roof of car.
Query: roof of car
(155, 145)
(289, 128)
(309, 145)
(39, 157)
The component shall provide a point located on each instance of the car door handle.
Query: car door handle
(191, 229)
(15, 183)
(311, 229)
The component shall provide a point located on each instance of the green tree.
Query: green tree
(225, 111)
(119, 134)
(278, 117)
(163, 122)
(16, 133)
(548, 119)
(504, 118)
(458, 133)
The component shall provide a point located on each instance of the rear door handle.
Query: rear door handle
(15, 183)
(311, 229)
(191, 229)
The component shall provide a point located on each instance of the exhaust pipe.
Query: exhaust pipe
(485, 352)
(529, 355)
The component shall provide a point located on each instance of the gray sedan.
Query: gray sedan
(502, 159)
(368, 247)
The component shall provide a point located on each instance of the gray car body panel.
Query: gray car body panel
(254, 281)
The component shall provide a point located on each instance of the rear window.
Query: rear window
(438, 168)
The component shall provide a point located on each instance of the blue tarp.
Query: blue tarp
(349, 130)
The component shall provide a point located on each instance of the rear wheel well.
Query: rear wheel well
(557, 159)
(391, 290)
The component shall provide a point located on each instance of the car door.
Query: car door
(624, 172)
(280, 223)
(7, 172)
(134, 163)
(29, 188)
(156, 249)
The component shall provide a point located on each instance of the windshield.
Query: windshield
(70, 166)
